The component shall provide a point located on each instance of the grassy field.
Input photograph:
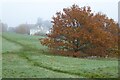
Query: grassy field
(23, 56)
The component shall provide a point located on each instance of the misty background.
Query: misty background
(33, 16)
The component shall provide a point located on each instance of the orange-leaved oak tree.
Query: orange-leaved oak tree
(78, 31)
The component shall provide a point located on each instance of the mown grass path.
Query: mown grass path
(14, 56)
(31, 61)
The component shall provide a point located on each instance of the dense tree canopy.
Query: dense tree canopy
(78, 31)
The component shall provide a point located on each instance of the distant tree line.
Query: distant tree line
(3, 27)
(25, 28)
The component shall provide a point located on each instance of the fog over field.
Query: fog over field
(15, 12)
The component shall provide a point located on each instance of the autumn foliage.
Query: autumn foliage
(77, 31)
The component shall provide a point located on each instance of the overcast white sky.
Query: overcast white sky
(15, 12)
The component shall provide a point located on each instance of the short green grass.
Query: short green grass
(21, 68)
(24, 56)
(9, 46)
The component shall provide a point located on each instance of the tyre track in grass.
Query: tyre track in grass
(27, 48)
(84, 75)
(33, 63)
